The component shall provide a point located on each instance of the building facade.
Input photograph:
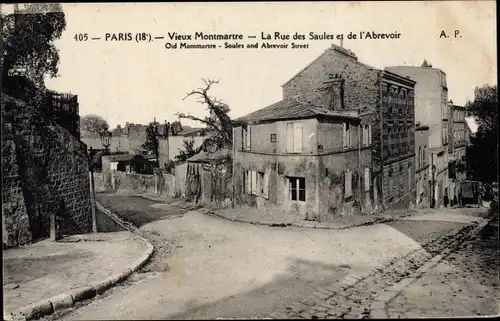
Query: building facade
(386, 102)
(310, 162)
(457, 148)
(431, 109)
(422, 166)
(341, 141)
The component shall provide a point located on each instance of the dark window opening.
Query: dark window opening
(297, 186)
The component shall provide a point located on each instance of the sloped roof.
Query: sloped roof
(189, 131)
(202, 156)
(290, 109)
(125, 158)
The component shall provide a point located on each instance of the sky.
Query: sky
(136, 82)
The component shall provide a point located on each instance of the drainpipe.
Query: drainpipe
(381, 124)
(233, 170)
(359, 168)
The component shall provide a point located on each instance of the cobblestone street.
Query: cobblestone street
(465, 283)
(469, 274)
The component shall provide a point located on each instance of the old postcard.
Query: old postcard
(249, 160)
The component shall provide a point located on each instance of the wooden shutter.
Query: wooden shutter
(297, 137)
(347, 179)
(266, 184)
(344, 137)
(248, 137)
(249, 140)
(369, 134)
(254, 182)
(289, 137)
(367, 179)
(249, 182)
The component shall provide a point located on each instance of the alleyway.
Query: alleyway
(224, 269)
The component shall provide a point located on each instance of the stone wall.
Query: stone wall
(164, 182)
(360, 86)
(45, 172)
(125, 182)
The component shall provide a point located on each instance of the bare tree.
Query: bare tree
(217, 121)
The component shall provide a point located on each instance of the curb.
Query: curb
(380, 307)
(376, 220)
(67, 300)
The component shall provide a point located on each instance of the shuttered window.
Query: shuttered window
(254, 182)
(346, 138)
(266, 185)
(367, 179)
(297, 137)
(348, 184)
(294, 133)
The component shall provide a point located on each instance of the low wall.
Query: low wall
(159, 183)
(121, 181)
(165, 183)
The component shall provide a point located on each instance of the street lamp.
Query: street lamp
(106, 139)
(91, 156)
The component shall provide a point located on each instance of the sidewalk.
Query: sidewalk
(35, 274)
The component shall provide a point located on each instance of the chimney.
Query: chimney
(342, 43)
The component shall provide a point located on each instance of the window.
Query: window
(367, 179)
(347, 136)
(297, 188)
(410, 178)
(400, 102)
(246, 137)
(273, 138)
(336, 95)
(246, 181)
(390, 101)
(294, 137)
(367, 135)
(256, 183)
(419, 159)
(348, 184)
(113, 166)
(389, 142)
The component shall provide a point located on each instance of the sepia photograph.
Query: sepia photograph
(249, 160)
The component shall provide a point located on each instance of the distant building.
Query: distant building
(431, 109)
(422, 165)
(128, 163)
(457, 147)
(131, 137)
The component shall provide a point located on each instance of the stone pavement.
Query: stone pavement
(366, 295)
(463, 283)
(45, 269)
